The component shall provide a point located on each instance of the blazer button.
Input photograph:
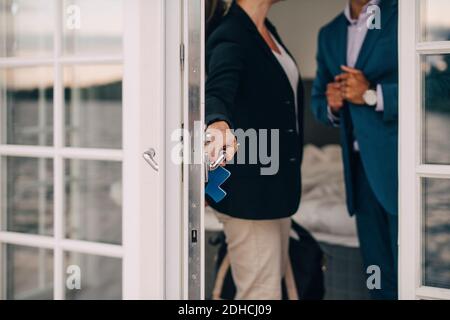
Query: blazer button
(293, 159)
(288, 102)
(290, 131)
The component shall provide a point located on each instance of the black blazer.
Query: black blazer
(247, 87)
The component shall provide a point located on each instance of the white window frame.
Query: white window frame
(142, 249)
(410, 156)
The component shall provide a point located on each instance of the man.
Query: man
(356, 88)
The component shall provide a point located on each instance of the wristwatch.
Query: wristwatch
(370, 97)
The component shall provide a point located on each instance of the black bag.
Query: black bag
(304, 279)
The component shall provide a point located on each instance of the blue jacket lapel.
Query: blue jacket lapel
(335, 47)
(341, 43)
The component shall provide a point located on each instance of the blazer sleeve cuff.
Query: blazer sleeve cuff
(380, 99)
(334, 119)
(390, 97)
(215, 117)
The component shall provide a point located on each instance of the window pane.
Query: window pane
(26, 28)
(436, 271)
(93, 99)
(27, 199)
(94, 201)
(28, 273)
(93, 27)
(26, 106)
(436, 104)
(101, 277)
(435, 20)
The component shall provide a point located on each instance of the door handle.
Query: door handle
(211, 166)
(214, 165)
(149, 157)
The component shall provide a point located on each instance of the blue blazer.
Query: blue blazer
(376, 132)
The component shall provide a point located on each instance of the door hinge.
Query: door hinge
(182, 55)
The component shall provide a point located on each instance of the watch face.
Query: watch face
(370, 97)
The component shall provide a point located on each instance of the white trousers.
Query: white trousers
(259, 255)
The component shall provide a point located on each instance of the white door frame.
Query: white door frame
(412, 169)
(144, 118)
(174, 55)
(156, 220)
(184, 181)
(142, 250)
(193, 241)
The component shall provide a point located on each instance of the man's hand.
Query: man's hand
(353, 85)
(334, 97)
(221, 139)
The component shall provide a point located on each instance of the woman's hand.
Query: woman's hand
(220, 138)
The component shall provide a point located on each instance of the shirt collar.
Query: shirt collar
(363, 12)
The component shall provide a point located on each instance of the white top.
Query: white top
(291, 70)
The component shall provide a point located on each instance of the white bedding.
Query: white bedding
(322, 211)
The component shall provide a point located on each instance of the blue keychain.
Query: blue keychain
(217, 175)
(215, 180)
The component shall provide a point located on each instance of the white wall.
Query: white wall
(298, 22)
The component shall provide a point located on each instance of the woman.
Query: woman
(253, 83)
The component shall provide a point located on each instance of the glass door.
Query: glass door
(61, 148)
(81, 213)
(425, 149)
